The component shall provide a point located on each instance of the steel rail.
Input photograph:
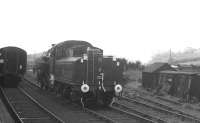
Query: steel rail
(166, 107)
(14, 105)
(9, 106)
(179, 115)
(148, 116)
(56, 118)
(107, 119)
(136, 116)
(104, 117)
(87, 110)
(170, 101)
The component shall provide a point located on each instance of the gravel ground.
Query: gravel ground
(4, 115)
(146, 110)
(60, 106)
(186, 108)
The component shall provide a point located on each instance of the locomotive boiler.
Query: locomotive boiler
(13, 61)
(80, 72)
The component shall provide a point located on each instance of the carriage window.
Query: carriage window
(57, 53)
(67, 53)
(71, 53)
(63, 52)
(79, 51)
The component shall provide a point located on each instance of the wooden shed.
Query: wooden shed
(180, 84)
(150, 74)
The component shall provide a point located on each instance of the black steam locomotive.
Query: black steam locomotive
(13, 62)
(79, 71)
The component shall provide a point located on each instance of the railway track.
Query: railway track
(117, 115)
(164, 103)
(25, 109)
(159, 111)
(135, 111)
(160, 98)
(146, 109)
(169, 101)
(158, 104)
(111, 114)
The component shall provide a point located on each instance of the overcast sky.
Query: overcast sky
(132, 29)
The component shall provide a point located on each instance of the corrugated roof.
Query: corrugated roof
(178, 72)
(154, 67)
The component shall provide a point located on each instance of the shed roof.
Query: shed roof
(178, 72)
(156, 67)
(189, 68)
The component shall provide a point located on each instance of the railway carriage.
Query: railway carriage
(80, 72)
(13, 62)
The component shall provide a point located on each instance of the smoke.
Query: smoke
(188, 54)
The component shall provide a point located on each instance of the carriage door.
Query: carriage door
(12, 60)
(2, 62)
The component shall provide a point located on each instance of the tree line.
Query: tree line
(136, 65)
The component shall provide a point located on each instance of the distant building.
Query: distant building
(150, 74)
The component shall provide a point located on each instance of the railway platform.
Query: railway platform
(4, 114)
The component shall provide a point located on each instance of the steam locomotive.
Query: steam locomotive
(13, 61)
(80, 72)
